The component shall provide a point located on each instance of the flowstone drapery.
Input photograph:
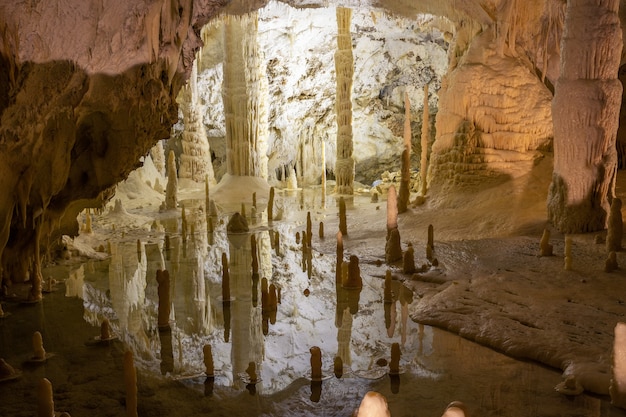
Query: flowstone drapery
(344, 70)
(585, 112)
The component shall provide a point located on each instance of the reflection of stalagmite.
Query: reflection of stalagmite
(171, 190)
(615, 227)
(344, 70)
(130, 383)
(163, 280)
(243, 93)
(344, 337)
(167, 351)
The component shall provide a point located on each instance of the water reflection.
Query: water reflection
(253, 325)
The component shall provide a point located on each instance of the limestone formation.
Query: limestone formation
(171, 191)
(344, 71)
(568, 253)
(404, 194)
(424, 142)
(244, 93)
(408, 260)
(353, 280)
(394, 363)
(45, 402)
(237, 224)
(545, 247)
(343, 222)
(338, 367)
(393, 248)
(615, 228)
(157, 153)
(610, 264)
(617, 388)
(225, 279)
(270, 206)
(316, 363)
(195, 158)
(586, 105)
(39, 353)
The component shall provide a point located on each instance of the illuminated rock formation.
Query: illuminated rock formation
(586, 109)
(344, 71)
(404, 193)
(195, 159)
(244, 94)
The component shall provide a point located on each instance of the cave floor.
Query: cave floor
(489, 285)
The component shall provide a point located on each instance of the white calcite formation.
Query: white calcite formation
(195, 159)
(344, 71)
(586, 109)
(244, 94)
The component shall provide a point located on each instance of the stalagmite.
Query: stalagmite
(158, 158)
(130, 384)
(171, 191)
(208, 360)
(373, 404)
(253, 378)
(244, 93)
(424, 142)
(431, 236)
(617, 389)
(408, 261)
(615, 227)
(585, 109)
(195, 158)
(392, 209)
(404, 194)
(39, 353)
(309, 227)
(163, 281)
(45, 402)
(323, 174)
(394, 363)
(568, 253)
(610, 264)
(338, 367)
(225, 278)
(316, 363)
(545, 248)
(105, 330)
(343, 223)
(321, 230)
(88, 228)
(270, 206)
(393, 248)
(344, 70)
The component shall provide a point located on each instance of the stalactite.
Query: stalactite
(344, 71)
(404, 194)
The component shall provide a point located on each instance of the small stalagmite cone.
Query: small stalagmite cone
(316, 363)
(45, 402)
(130, 384)
(105, 330)
(321, 230)
(39, 353)
(394, 363)
(208, 360)
(251, 371)
(545, 248)
(338, 366)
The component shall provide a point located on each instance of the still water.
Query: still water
(436, 367)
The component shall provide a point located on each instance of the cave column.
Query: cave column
(244, 94)
(195, 160)
(344, 70)
(585, 111)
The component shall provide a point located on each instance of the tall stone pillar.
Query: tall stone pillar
(585, 112)
(344, 70)
(244, 94)
(195, 160)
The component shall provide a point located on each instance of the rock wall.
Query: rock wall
(86, 89)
